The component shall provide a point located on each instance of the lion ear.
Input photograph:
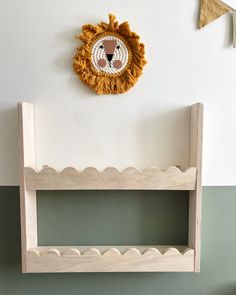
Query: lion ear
(113, 24)
(90, 29)
(88, 32)
(124, 29)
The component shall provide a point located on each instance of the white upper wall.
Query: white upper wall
(148, 126)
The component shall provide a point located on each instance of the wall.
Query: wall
(148, 126)
(218, 261)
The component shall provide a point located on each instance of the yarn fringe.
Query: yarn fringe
(102, 83)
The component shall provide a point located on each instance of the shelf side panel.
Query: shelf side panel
(27, 198)
(195, 197)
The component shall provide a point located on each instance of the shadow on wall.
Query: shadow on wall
(164, 139)
(64, 61)
(196, 14)
(228, 30)
(226, 289)
(148, 218)
(8, 146)
(9, 230)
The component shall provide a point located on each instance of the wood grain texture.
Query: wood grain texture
(195, 197)
(111, 178)
(110, 259)
(27, 198)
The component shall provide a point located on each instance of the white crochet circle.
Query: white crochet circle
(121, 53)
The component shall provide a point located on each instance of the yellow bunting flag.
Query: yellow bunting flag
(211, 10)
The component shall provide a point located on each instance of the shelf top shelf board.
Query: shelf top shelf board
(111, 178)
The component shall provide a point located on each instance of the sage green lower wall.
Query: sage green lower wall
(112, 218)
(149, 217)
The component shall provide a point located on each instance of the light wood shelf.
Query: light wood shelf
(111, 178)
(107, 258)
(112, 259)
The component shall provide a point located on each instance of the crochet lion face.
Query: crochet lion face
(110, 54)
(111, 58)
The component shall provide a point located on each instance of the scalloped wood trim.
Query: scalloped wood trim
(111, 178)
(112, 259)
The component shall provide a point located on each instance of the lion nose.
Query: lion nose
(109, 57)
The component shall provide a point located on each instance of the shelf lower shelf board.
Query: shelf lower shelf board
(110, 179)
(110, 259)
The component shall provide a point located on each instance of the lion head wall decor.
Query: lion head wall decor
(111, 58)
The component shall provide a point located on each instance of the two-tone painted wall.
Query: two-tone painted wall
(148, 126)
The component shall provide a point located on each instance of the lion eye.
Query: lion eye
(118, 46)
(101, 46)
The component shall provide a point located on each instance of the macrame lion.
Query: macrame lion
(111, 58)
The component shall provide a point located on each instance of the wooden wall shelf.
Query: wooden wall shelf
(107, 258)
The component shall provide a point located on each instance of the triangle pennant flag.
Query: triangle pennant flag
(211, 10)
